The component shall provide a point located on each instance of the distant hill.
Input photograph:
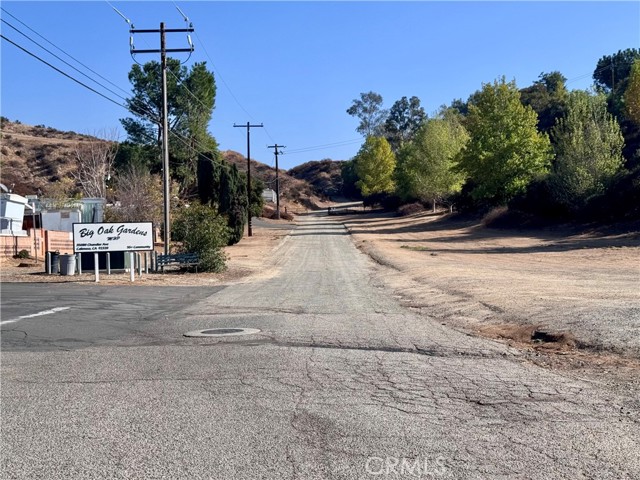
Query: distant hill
(325, 176)
(296, 190)
(32, 158)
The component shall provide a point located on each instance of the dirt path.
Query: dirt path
(557, 290)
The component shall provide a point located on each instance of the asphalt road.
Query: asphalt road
(67, 316)
(341, 382)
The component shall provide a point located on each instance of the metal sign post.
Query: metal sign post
(96, 268)
(132, 267)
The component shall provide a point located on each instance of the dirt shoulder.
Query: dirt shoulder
(247, 260)
(554, 290)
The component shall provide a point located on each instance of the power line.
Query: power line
(63, 61)
(60, 71)
(325, 146)
(178, 80)
(61, 50)
(142, 113)
(217, 72)
(150, 116)
(598, 70)
(196, 145)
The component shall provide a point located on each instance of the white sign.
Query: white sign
(112, 237)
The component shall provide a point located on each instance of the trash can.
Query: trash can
(55, 262)
(67, 264)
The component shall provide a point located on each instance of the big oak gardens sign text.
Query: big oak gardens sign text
(112, 237)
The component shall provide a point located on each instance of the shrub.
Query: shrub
(267, 211)
(538, 200)
(621, 202)
(495, 217)
(203, 231)
(23, 254)
(410, 209)
(283, 216)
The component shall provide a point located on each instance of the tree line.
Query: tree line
(543, 149)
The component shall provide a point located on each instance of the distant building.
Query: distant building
(62, 217)
(269, 195)
(12, 213)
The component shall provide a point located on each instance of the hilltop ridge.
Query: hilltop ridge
(32, 158)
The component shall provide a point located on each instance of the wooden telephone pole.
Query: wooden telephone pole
(276, 151)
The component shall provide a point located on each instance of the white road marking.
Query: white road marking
(44, 312)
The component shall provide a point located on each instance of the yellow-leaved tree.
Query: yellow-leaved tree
(374, 166)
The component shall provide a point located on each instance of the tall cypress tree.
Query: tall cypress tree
(235, 201)
(221, 185)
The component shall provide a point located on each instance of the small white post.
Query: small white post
(132, 267)
(96, 267)
(146, 263)
(79, 263)
(108, 263)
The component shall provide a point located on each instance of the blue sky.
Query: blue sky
(297, 66)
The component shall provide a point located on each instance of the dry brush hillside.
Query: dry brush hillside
(34, 158)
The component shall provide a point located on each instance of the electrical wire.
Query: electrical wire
(59, 71)
(63, 61)
(61, 50)
(598, 70)
(323, 147)
(190, 143)
(217, 72)
(149, 115)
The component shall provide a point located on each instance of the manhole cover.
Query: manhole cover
(222, 332)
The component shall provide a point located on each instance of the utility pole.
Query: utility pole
(166, 176)
(276, 146)
(613, 78)
(248, 126)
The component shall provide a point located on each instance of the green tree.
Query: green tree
(611, 77)
(146, 101)
(190, 103)
(201, 230)
(612, 71)
(257, 202)
(223, 187)
(632, 94)
(588, 145)
(505, 151)
(349, 180)
(374, 166)
(426, 166)
(196, 100)
(405, 118)
(136, 155)
(547, 96)
(234, 201)
(370, 112)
